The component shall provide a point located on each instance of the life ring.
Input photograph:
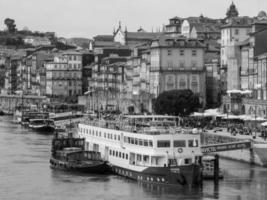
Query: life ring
(180, 150)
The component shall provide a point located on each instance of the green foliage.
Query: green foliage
(14, 41)
(177, 102)
(11, 26)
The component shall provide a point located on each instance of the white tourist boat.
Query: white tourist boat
(147, 148)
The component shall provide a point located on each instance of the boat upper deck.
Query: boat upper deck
(142, 124)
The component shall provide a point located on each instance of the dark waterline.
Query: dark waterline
(25, 175)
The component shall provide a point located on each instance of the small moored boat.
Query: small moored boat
(68, 154)
(42, 125)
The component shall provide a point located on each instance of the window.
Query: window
(192, 143)
(141, 142)
(120, 154)
(136, 141)
(119, 138)
(194, 52)
(169, 52)
(126, 156)
(179, 143)
(146, 143)
(104, 135)
(236, 31)
(163, 143)
(150, 143)
(187, 161)
(113, 153)
(115, 137)
(69, 57)
(181, 52)
(116, 153)
(110, 152)
(74, 57)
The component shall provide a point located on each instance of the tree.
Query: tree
(11, 26)
(176, 102)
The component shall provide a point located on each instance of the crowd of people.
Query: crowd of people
(232, 126)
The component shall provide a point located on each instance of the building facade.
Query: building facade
(64, 75)
(178, 63)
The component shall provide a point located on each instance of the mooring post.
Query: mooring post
(216, 169)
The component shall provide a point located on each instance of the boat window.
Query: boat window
(192, 143)
(140, 142)
(126, 156)
(139, 157)
(132, 140)
(120, 154)
(187, 161)
(150, 143)
(136, 141)
(115, 137)
(163, 143)
(179, 143)
(145, 143)
(146, 158)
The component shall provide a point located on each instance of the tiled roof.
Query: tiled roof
(176, 42)
(243, 43)
(104, 38)
(142, 35)
(262, 55)
(106, 44)
(206, 28)
(239, 22)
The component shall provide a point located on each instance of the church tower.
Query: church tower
(232, 11)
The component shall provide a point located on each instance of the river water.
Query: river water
(25, 175)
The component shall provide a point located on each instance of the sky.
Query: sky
(87, 18)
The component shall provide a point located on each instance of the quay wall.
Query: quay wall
(8, 103)
(242, 155)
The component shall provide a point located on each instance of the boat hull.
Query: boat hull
(97, 167)
(189, 175)
(43, 129)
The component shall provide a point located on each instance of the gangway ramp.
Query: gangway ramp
(230, 146)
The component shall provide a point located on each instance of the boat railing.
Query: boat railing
(148, 130)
